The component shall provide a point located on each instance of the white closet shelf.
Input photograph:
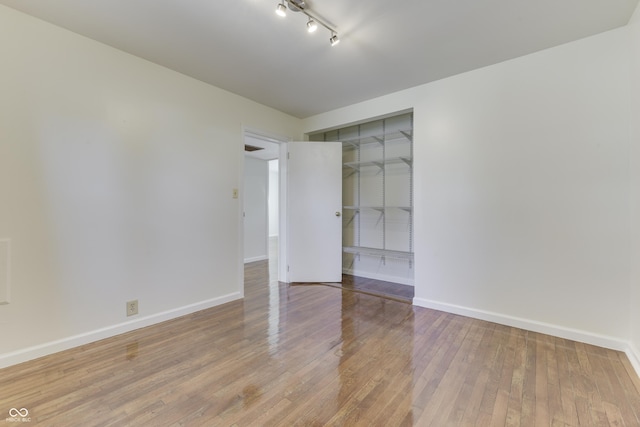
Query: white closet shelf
(398, 135)
(360, 250)
(378, 208)
(379, 163)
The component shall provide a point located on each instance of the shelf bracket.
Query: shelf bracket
(353, 144)
(352, 217)
(353, 261)
(380, 217)
(353, 172)
(407, 134)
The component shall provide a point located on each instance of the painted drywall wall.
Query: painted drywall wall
(634, 301)
(527, 167)
(116, 179)
(256, 227)
(521, 189)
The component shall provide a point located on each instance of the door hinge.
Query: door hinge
(287, 268)
(288, 155)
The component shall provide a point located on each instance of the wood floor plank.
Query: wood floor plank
(316, 355)
(541, 385)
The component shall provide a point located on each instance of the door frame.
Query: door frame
(282, 141)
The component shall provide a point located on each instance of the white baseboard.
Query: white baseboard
(530, 325)
(30, 353)
(386, 278)
(256, 258)
(634, 357)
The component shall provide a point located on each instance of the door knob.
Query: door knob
(338, 214)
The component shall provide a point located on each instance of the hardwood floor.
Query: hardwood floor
(388, 290)
(316, 355)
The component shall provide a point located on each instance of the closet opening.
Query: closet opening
(377, 192)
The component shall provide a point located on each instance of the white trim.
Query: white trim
(530, 325)
(387, 278)
(283, 209)
(240, 213)
(634, 357)
(30, 353)
(256, 258)
(266, 136)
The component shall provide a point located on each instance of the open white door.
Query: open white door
(315, 211)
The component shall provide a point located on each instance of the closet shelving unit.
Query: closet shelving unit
(377, 197)
(375, 158)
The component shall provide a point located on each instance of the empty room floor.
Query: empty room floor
(319, 355)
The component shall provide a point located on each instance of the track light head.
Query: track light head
(314, 20)
(311, 25)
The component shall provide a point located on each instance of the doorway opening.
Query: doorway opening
(264, 195)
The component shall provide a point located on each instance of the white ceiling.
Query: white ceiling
(386, 46)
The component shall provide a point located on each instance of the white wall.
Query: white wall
(521, 189)
(634, 33)
(256, 227)
(116, 180)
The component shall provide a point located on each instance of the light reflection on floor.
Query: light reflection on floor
(274, 296)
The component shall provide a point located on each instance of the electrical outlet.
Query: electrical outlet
(132, 307)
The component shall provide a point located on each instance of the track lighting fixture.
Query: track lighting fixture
(334, 40)
(314, 18)
(311, 26)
